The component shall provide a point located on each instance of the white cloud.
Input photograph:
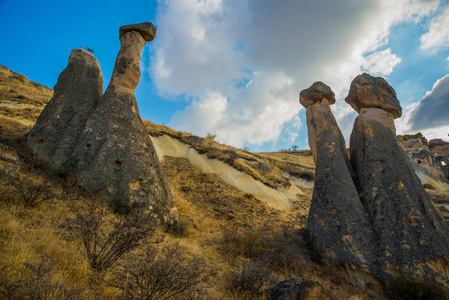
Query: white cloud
(381, 63)
(245, 61)
(438, 34)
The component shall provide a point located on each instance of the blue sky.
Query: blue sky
(236, 67)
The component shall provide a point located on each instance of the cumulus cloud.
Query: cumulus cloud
(438, 34)
(433, 109)
(242, 63)
(381, 62)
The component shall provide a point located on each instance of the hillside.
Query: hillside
(242, 216)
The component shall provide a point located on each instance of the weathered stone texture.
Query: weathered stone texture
(367, 91)
(115, 149)
(317, 92)
(107, 135)
(146, 29)
(408, 229)
(372, 211)
(336, 213)
(76, 94)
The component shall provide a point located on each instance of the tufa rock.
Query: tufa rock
(367, 91)
(76, 94)
(336, 216)
(411, 236)
(116, 151)
(317, 92)
(146, 29)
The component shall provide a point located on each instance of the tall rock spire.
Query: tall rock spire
(411, 234)
(336, 217)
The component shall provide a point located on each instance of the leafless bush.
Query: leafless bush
(107, 237)
(167, 273)
(252, 280)
(29, 192)
(36, 283)
(283, 249)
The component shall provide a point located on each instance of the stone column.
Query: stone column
(336, 218)
(411, 234)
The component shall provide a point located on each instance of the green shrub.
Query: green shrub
(67, 168)
(211, 136)
(177, 227)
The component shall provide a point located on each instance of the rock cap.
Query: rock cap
(315, 93)
(367, 91)
(146, 29)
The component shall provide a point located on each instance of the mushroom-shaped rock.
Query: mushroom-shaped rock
(317, 92)
(76, 94)
(146, 29)
(367, 91)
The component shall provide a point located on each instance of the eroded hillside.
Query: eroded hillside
(242, 214)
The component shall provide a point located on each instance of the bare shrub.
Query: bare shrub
(167, 273)
(417, 289)
(107, 237)
(252, 280)
(37, 283)
(28, 192)
(284, 249)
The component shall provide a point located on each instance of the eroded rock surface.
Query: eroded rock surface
(367, 91)
(114, 151)
(336, 216)
(373, 212)
(408, 229)
(76, 94)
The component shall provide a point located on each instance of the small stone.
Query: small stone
(146, 29)
(367, 91)
(317, 92)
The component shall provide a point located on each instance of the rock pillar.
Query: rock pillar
(411, 235)
(336, 217)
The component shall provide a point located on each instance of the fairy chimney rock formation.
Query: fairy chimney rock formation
(105, 132)
(126, 74)
(336, 215)
(116, 150)
(409, 230)
(316, 99)
(76, 94)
